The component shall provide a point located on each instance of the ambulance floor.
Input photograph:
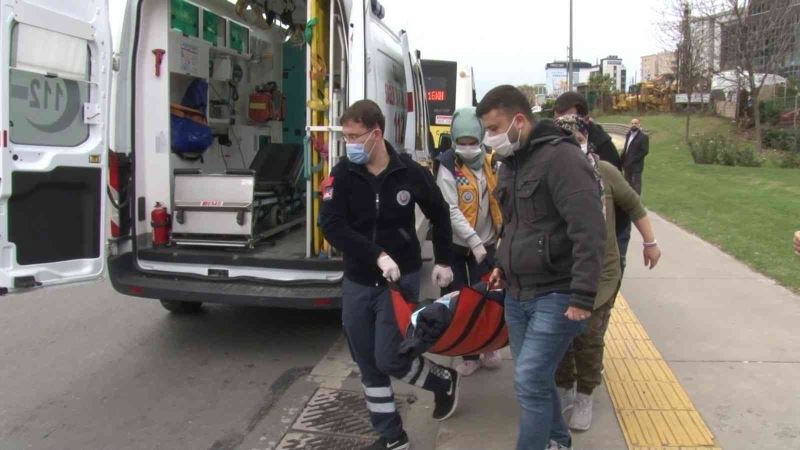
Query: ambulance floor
(290, 245)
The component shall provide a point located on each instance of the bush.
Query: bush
(786, 140)
(705, 149)
(770, 112)
(739, 154)
(724, 151)
(789, 161)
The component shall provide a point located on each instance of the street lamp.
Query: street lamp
(569, 63)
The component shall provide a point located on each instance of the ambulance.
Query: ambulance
(186, 167)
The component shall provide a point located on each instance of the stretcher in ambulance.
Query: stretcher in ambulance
(198, 147)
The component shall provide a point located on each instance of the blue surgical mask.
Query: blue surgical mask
(356, 152)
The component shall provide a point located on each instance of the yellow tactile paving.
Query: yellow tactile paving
(654, 411)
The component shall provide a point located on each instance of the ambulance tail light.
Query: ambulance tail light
(118, 179)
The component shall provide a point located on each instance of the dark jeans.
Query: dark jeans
(374, 337)
(467, 272)
(623, 239)
(624, 235)
(540, 334)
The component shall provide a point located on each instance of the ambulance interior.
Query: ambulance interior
(242, 175)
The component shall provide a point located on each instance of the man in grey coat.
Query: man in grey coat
(550, 253)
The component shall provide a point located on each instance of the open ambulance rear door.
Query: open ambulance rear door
(416, 137)
(55, 87)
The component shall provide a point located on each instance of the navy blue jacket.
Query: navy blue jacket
(364, 215)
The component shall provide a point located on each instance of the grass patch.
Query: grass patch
(750, 213)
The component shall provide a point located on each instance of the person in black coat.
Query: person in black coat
(637, 145)
(575, 103)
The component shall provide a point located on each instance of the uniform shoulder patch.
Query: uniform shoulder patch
(403, 198)
(327, 188)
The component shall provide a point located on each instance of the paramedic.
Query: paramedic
(467, 178)
(549, 255)
(584, 360)
(368, 214)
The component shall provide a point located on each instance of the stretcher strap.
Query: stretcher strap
(476, 313)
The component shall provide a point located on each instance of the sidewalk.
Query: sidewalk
(729, 335)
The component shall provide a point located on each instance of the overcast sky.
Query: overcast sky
(510, 41)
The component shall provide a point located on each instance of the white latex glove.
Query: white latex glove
(390, 269)
(479, 253)
(442, 276)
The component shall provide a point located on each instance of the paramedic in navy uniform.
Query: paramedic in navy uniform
(368, 214)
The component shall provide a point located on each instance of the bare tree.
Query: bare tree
(757, 38)
(679, 34)
(529, 91)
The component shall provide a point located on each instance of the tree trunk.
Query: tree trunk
(688, 118)
(757, 117)
(688, 114)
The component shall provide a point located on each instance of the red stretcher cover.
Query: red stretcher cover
(478, 322)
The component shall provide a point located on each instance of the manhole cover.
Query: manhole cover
(334, 411)
(310, 441)
(332, 420)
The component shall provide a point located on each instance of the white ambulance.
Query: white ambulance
(95, 144)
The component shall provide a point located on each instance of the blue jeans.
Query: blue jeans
(540, 334)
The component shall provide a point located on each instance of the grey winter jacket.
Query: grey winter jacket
(553, 237)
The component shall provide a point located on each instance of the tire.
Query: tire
(181, 307)
(277, 217)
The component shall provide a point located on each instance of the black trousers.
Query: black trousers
(467, 272)
(374, 337)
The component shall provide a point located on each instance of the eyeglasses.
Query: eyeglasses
(353, 138)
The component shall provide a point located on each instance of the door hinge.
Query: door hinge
(92, 114)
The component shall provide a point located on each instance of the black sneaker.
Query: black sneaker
(401, 443)
(446, 402)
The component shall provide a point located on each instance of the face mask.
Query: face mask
(472, 155)
(501, 143)
(356, 153)
(585, 148)
(468, 152)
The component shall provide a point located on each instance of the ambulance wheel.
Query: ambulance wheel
(181, 307)
(277, 216)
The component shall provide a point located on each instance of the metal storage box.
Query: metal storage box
(213, 209)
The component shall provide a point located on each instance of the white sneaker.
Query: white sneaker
(556, 446)
(468, 367)
(581, 419)
(567, 397)
(492, 360)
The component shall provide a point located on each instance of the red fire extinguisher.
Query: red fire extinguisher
(160, 221)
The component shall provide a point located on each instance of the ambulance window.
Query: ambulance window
(49, 83)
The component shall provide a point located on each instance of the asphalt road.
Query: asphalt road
(86, 368)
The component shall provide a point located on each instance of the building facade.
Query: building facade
(613, 67)
(556, 74)
(776, 23)
(585, 74)
(707, 37)
(654, 66)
